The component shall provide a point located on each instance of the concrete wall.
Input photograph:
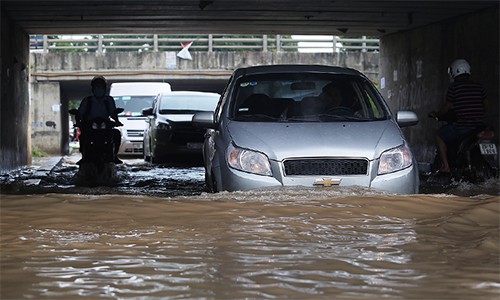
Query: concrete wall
(14, 96)
(46, 127)
(50, 66)
(414, 66)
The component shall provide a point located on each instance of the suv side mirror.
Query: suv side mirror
(406, 118)
(147, 111)
(204, 119)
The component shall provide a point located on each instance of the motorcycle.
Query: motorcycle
(473, 157)
(97, 166)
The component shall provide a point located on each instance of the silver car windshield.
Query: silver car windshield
(306, 97)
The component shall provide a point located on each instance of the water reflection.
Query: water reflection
(278, 243)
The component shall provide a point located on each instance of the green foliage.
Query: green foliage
(73, 104)
(357, 44)
(37, 152)
(146, 45)
(75, 46)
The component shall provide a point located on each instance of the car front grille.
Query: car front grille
(186, 132)
(330, 166)
(135, 133)
(133, 150)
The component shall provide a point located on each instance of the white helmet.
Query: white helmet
(459, 67)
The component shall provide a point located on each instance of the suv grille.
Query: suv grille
(186, 132)
(135, 133)
(335, 166)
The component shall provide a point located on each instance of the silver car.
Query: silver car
(305, 125)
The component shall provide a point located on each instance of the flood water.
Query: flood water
(282, 243)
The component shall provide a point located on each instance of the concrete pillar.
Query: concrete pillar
(46, 125)
(14, 95)
(413, 70)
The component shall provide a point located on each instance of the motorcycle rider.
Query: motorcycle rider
(466, 100)
(98, 105)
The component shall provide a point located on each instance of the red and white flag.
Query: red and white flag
(184, 53)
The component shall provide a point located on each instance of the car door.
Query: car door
(147, 138)
(213, 137)
(153, 122)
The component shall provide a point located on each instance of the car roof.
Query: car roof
(138, 88)
(190, 93)
(295, 68)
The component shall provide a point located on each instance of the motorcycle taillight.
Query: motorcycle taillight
(486, 135)
(99, 126)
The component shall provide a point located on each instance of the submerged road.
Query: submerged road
(137, 177)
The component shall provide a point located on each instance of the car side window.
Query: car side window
(374, 106)
(155, 104)
(223, 98)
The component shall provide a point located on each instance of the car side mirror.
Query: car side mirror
(147, 111)
(204, 119)
(406, 118)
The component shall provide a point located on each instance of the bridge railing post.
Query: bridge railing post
(210, 43)
(264, 43)
(278, 43)
(155, 42)
(99, 44)
(45, 44)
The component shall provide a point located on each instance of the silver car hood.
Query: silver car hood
(340, 139)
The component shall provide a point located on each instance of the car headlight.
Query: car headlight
(395, 159)
(163, 126)
(248, 161)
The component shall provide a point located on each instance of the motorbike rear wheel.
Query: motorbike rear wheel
(480, 168)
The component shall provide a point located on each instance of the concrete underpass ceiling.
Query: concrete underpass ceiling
(340, 17)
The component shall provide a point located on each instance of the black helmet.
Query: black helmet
(97, 79)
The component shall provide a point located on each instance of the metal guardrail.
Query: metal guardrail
(210, 43)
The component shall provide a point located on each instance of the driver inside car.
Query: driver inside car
(331, 95)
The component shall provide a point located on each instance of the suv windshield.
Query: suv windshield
(133, 105)
(187, 104)
(306, 97)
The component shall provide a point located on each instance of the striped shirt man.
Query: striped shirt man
(467, 99)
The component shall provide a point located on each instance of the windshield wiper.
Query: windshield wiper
(258, 117)
(325, 118)
(312, 118)
(344, 118)
(177, 111)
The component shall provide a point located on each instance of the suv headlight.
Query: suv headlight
(248, 161)
(395, 159)
(164, 126)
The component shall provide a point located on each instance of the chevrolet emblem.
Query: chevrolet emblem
(327, 182)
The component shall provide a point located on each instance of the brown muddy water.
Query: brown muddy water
(295, 243)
